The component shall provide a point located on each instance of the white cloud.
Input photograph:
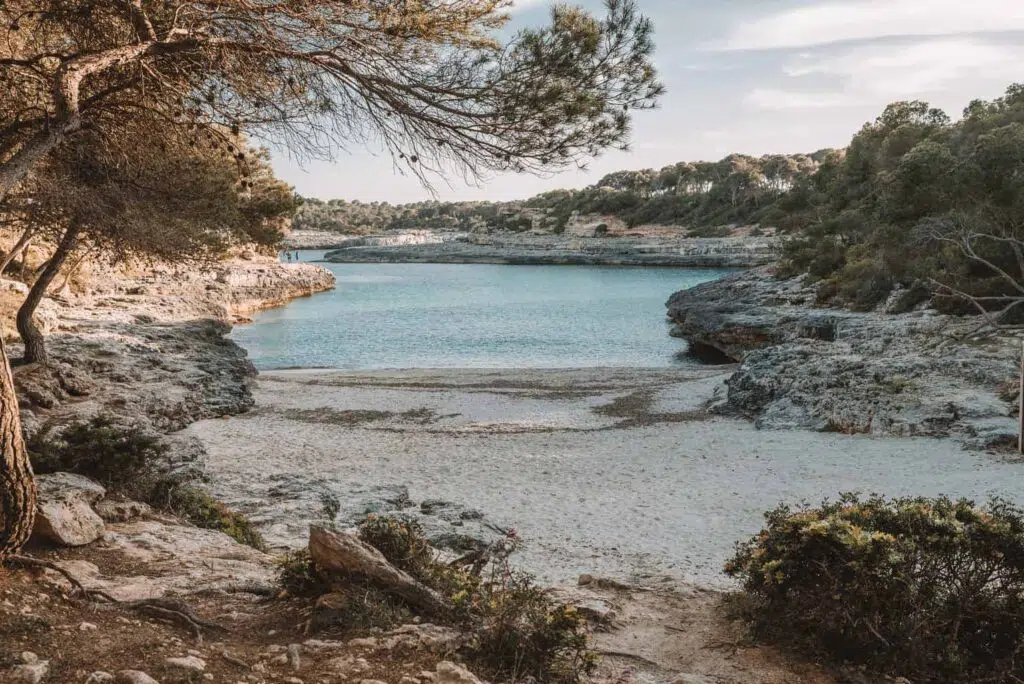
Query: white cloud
(877, 74)
(521, 5)
(848, 20)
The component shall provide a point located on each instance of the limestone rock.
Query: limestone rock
(803, 367)
(31, 671)
(348, 666)
(176, 556)
(99, 677)
(134, 677)
(450, 673)
(65, 515)
(589, 604)
(191, 662)
(121, 511)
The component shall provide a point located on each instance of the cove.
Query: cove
(476, 316)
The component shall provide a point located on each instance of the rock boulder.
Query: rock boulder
(65, 515)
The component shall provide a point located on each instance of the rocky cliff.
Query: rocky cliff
(521, 248)
(152, 348)
(919, 373)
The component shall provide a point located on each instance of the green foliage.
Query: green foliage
(521, 633)
(128, 460)
(402, 542)
(117, 456)
(201, 509)
(518, 631)
(297, 574)
(928, 589)
(877, 215)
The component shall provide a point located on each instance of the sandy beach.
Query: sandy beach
(619, 472)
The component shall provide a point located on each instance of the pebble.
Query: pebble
(188, 663)
(134, 677)
(87, 627)
(31, 673)
(99, 677)
(293, 656)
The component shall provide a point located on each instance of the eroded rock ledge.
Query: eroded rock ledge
(918, 373)
(511, 248)
(151, 349)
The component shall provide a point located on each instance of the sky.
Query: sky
(750, 76)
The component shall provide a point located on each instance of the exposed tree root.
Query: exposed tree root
(171, 610)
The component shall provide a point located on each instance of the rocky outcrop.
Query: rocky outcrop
(919, 373)
(152, 349)
(65, 515)
(521, 248)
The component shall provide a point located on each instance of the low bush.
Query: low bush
(928, 589)
(202, 510)
(128, 460)
(522, 633)
(117, 456)
(517, 630)
(402, 542)
(298, 575)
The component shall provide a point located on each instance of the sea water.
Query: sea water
(476, 316)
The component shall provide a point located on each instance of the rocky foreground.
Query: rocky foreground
(800, 366)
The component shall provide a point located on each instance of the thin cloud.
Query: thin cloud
(878, 74)
(852, 20)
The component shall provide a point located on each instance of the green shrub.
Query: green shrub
(127, 459)
(118, 456)
(402, 542)
(298, 575)
(202, 510)
(928, 589)
(520, 632)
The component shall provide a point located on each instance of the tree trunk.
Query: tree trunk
(35, 345)
(21, 244)
(17, 486)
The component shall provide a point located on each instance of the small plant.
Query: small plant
(202, 510)
(518, 630)
(297, 574)
(928, 589)
(118, 456)
(522, 633)
(330, 505)
(402, 542)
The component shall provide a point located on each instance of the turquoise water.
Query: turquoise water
(475, 316)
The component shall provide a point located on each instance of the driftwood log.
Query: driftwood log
(345, 552)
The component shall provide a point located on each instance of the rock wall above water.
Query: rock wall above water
(920, 373)
(515, 248)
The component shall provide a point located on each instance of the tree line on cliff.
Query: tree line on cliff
(693, 195)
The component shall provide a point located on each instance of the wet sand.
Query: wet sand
(618, 472)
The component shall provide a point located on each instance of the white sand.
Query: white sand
(665, 498)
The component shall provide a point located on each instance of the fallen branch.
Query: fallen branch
(346, 553)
